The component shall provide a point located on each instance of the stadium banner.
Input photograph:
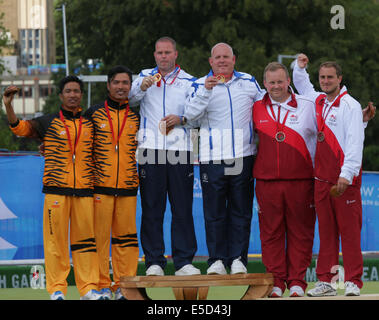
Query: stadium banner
(21, 211)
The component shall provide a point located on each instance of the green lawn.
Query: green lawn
(215, 293)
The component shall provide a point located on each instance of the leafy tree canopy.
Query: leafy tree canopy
(124, 32)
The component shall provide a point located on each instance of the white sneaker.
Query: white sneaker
(276, 292)
(237, 267)
(57, 295)
(106, 293)
(92, 295)
(351, 289)
(118, 295)
(322, 289)
(217, 267)
(154, 270)
(296, 291)
(187, 270)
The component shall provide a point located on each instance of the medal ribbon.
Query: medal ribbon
(279, 126)
(72, 149)
(111, 124)
(177, 70)
(325, 113)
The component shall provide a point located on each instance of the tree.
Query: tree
(124, 32)
(3, 42)
(7, 138)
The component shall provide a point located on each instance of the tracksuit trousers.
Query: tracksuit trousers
(161, 177)
(286, 223)
(339, 217)
(115, 219)
(228, 207)
(62, 213)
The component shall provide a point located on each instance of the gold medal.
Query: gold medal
(220, 78)
(157, 77)
(280, 136)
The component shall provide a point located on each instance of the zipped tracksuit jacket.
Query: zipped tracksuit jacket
(226, 153)
(68, 188)
(338, 154)
(115, 188)
(165, 168)
(285, 186)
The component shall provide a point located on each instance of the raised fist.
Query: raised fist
(302, 60)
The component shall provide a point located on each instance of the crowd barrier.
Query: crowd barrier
(21, 211)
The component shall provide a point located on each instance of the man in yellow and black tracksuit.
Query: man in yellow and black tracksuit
(116, 181)
(68, 187)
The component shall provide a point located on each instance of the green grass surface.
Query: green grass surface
(215, 293)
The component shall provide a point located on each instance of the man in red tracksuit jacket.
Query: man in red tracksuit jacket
(286, 126)
(338, 162)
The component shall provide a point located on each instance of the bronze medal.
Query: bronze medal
(320, 136)
(280, 136)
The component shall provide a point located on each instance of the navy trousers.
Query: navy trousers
(158, 179)
(228, 206)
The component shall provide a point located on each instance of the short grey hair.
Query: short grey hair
(217, 44)
(166, 39)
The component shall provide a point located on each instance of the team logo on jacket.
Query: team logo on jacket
(204, 177)
(332, 120)
(103, 125)
(62, 132)
(97, 199)
(293, 119)
(178, 84)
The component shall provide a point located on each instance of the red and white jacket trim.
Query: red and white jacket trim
(340, 154)
(292, 158)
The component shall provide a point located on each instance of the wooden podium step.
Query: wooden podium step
(196, 286)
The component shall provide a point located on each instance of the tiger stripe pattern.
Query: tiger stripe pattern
(115, 170)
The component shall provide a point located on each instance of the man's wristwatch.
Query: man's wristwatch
(183, 120)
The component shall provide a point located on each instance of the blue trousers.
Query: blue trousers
(228, 206)
(157, 181)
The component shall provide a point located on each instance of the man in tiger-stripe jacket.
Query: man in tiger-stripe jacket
(68, 188)
(116, 181)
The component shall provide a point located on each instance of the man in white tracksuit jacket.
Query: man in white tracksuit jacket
(164, 161)
(338, 162)
(222, 103)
